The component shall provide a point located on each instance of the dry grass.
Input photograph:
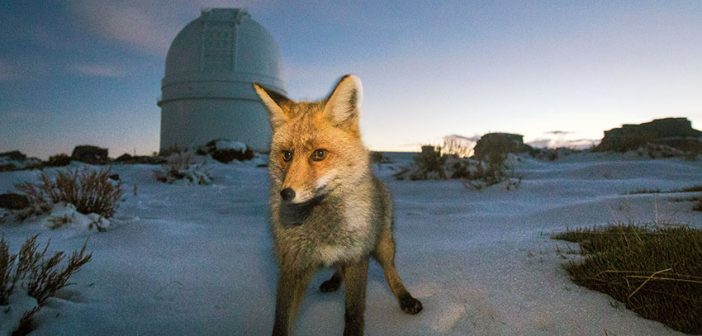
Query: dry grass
(694, 188)
(90, 191)
(654, 271)
(40, 276)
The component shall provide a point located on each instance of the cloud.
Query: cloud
(559, 132)
(133, 24)
(145, 26)
(556, 143)
(98, 70)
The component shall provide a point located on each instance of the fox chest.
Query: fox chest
(325, 239)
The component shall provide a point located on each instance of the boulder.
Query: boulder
(90, 154)
(499, 144)
(674, 132)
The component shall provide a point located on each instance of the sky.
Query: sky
(88, 72)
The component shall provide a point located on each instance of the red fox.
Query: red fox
(327, 208)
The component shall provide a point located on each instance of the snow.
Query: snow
(230, 145)
(197, 259)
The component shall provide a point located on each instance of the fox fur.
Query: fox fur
(327, 208)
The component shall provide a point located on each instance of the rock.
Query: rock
(671, 132)
(499, 144)
(13, 201)
(16, 160)
(90, 154)
(14, 155)
(656, 151)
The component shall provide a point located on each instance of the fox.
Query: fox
(327, 209)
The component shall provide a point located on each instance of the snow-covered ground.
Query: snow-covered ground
(197, 260)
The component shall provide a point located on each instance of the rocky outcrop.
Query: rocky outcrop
(499, 144)
(14, 155)
(16, 160)
(674, 132)
(90, 154)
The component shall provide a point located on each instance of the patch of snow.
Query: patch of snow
(189, 261)
(10, 315)
(230, 145)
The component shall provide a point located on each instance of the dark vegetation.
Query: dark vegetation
(655, 271)
(492, 169)
(95, 155)
(90, 191)
(41, 275)
(696, 188)
(223, 154)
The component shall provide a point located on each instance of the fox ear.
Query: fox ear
(273, 102)
(344, 103)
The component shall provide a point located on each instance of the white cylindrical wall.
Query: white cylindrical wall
(240, 120)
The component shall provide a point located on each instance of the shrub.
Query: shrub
(58, 160)
(40, 276)
(430, 163)
(226, 151)
(655, 271)
(180, 167)
(491, 172)
(90, 191)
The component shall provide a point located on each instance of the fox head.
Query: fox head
(316, 147)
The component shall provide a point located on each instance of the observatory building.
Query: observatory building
(207, 92)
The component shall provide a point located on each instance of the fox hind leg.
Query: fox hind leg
(385, 255)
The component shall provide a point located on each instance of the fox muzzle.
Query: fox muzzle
(287, 194)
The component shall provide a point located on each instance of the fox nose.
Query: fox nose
(287, 194)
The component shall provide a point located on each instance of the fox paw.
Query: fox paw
(329, 286)
(410, 305)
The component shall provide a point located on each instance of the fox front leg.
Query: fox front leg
(291, 290)
(355, 277)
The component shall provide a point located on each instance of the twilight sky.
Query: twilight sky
(88, 72)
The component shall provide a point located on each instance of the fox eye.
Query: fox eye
(319, 154)
(287, 155)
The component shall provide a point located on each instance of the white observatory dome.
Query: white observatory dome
(207, 93)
